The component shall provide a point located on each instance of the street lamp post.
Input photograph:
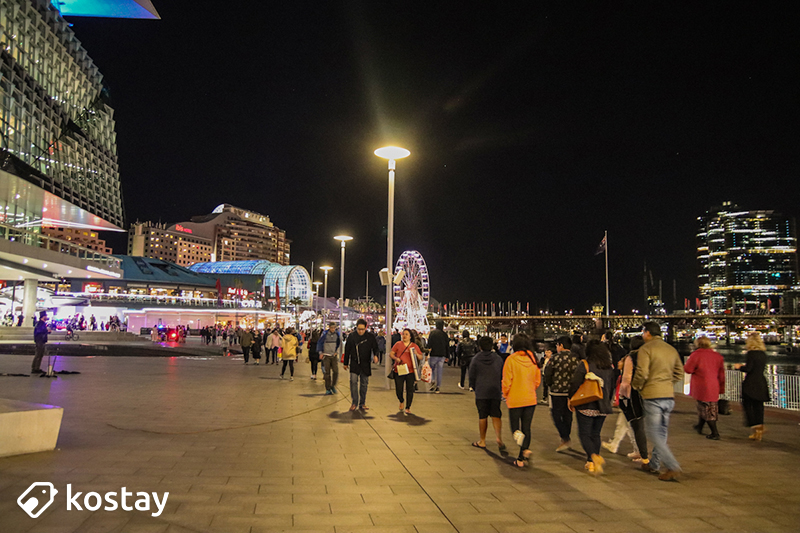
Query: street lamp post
(392, 153)
(316, 293)
(325, 299)
(343, 239)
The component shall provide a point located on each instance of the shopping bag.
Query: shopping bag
(426, 373)
(402, 370)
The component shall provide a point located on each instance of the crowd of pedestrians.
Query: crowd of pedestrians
(583, 380)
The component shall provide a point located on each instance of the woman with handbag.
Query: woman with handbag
(403, 368)
(521, 378)
(630, 401)
(707, 368)
(597, 368)
(755, 390)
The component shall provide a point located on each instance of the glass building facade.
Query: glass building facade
(292, 281)
(56, 127)
(747, 260)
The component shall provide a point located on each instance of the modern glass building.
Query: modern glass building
(292, 281)
(747, 260)
(56, 128)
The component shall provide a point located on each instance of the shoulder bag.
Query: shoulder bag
(589, 391)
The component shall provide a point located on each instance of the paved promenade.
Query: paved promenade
(239, 450)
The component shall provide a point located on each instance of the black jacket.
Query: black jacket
(438, 343)
(486, 376)
(358, 352)
(754, 385)
(465, 351)
(607, 374)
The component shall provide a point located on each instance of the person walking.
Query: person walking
(247, 342)
(630, 401)
(403, 368)
(707, 368)
(40, 332)
(313, 354)
(658, 367)
(329, 346)
(558, 376)
(274, 344)
(486, 379)
(465, 351)
(755, 390)
(360, 351)
(592, 415)
(289, 352)
(381, 348)
(256, 347)
(521, 378)
(439, 346)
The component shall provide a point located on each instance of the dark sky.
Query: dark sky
(532, 130)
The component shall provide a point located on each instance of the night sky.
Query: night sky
(532, 130)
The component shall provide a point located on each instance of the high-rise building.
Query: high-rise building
(227, 234)
(174, 244)
(58, 153)
(747, 260)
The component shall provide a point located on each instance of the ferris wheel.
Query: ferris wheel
(412, 292)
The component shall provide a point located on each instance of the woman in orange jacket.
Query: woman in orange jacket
(521, 378)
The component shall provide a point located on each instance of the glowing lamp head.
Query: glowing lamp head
(326, 268)
(343, 238)
(392, 152)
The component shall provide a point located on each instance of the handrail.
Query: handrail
(785, 389)
(38, 240)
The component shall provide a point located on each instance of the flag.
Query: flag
(277, 296)
(602, 247)
(699, 306)
(219, 293)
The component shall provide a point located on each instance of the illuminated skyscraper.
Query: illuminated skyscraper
(747, 260)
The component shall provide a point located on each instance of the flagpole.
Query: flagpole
(608, 307)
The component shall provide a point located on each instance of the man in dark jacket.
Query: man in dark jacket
(485, 377)
(360, 350)
(40, 339)
(439, 345)
(557, 376)
(465, 351)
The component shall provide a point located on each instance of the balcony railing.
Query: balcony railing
(163, 300)
(38, 240)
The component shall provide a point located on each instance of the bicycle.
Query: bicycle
(71, 336)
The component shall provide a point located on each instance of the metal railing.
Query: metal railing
(38, 240)
(784, 389)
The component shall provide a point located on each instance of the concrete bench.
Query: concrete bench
(28, 427)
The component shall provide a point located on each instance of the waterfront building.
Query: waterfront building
(228, 233)
(260, 280)
(174, 243)
(58, 153)
(747, 260)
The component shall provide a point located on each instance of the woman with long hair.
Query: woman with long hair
(755, 390)
(630, 401)
(521, 378)
(289, 352)
(707, 368)
(592, 415)
(401, 354)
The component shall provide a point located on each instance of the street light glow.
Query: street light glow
(326, 268)
(343, 238)
(392, 152)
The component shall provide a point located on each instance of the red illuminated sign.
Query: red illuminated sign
(178, 227)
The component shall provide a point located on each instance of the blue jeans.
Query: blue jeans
(355, 380)
(656, 427)
(437, 367)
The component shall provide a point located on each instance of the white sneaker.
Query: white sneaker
(460, 386)
(519, 437)
(291, 379)
(608, 446)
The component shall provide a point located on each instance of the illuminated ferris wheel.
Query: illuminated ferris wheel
(412, 292)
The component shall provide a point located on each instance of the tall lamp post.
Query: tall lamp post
(325, 299)
(392, 153)
(343, 239)
(316, 293)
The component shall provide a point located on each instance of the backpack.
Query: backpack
(467, 350)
